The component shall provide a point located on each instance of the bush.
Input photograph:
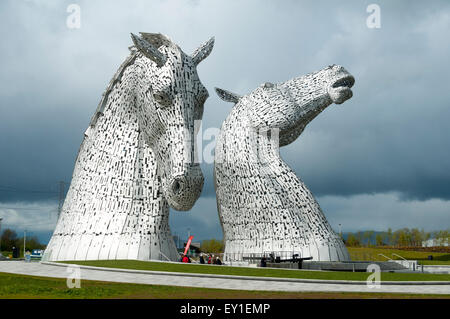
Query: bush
(212, 246)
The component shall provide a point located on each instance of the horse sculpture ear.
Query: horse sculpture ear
(149, 50)
(227, 96)
(203, 51)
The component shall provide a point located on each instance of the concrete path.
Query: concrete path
(223, 282)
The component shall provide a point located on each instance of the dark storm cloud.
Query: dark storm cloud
(392, 137)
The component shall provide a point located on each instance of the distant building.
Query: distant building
(194, 248)
(434, 242)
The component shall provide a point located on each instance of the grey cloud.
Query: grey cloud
(385, 210)
(392, 136)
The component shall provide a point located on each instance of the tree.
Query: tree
(389, 237)
(395, 238)
(359, 237)
(212, 246)
(369, 237)
(416, 237)
(408, 237)
(365, 238)
(379, 240)
(352, 241)
(403, 237)
(425, 236)
(33, 243)
(442, 237)
(400, 236)
(9, 239)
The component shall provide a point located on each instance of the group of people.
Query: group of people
(204, 259)
(210, 259)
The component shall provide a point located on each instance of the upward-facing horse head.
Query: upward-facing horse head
(169, 99)
(298, 100)
(263, 206)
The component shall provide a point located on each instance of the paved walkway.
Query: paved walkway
(227, 282)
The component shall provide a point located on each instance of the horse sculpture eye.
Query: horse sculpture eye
(162, 98)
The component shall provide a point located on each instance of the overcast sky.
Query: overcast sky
(381, 159)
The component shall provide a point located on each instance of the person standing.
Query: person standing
(28, 256)
(263, 262)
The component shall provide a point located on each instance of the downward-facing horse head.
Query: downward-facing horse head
(263, 206)
(169, 99)
(136, 159)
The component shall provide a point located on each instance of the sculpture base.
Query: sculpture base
(111, 247)
(242, 250)
(353, 266)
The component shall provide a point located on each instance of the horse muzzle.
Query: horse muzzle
(182, 191)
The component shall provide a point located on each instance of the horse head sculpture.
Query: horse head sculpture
(264, 208)
(169, 99)
(136, 159)
(299, 100)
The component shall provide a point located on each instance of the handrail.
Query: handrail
(399, 256)
(385, 256)
(165, 256)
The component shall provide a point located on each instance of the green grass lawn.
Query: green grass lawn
(371, 253)
(258, 272)
(25, 287)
